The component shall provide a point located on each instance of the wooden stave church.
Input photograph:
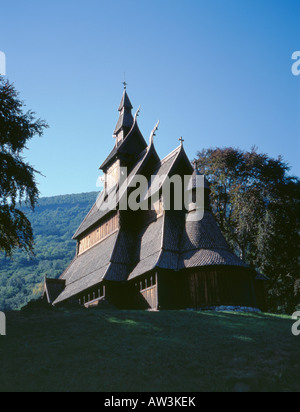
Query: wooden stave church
(152, 259)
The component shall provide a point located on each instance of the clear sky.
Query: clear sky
(217, 72)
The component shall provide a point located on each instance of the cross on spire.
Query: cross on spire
(124, 82)
(181, 140)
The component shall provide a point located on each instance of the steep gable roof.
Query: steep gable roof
(161, 170)
(203, 244)
(88, 269)
(125, 118)
(133, 142)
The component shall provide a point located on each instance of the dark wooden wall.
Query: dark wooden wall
(145, 291)
(194, 288)
(260, 292)
(206, 287)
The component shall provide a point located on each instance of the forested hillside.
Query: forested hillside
(54, 222)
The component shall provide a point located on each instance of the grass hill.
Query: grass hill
(101, 350)
(54, 222)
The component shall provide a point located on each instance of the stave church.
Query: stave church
(152, 258)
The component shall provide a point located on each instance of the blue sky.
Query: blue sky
(216, 72)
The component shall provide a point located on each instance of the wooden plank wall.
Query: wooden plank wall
(150, 296)
(224, 287)
(98, 234)
(209, 287)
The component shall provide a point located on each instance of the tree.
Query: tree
(17, 178)
(256, 204)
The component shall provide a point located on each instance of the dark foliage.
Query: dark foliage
(256, 204)
(17, 178)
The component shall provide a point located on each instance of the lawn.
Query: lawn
(184, 351)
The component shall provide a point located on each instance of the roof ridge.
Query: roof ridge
(162, 181)
(98, 243)
(67, 268)
(89, 213)
(166, 158)
(116, 148)
(181, 252)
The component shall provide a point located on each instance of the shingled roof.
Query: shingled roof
(125, 118)
(161, 170)
(148, 245)
(172, 241)
(96, 214)
(88, 269)
(173, 227)
(202, 244)
(132, 133)
(122, 147)
(121, 260)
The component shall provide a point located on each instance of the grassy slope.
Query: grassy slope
(102, 351)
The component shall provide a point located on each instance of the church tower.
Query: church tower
(125, 120)
(129, 143)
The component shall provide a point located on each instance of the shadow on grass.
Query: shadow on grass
(183, 351)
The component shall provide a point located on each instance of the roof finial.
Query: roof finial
(137, 112)
(153, 133)
(195, 164)
(181, 140)
(124, 82)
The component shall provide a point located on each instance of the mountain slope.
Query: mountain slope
(54, 222)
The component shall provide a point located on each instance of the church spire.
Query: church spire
(125, 121)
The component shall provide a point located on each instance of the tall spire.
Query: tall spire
(125, 121)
